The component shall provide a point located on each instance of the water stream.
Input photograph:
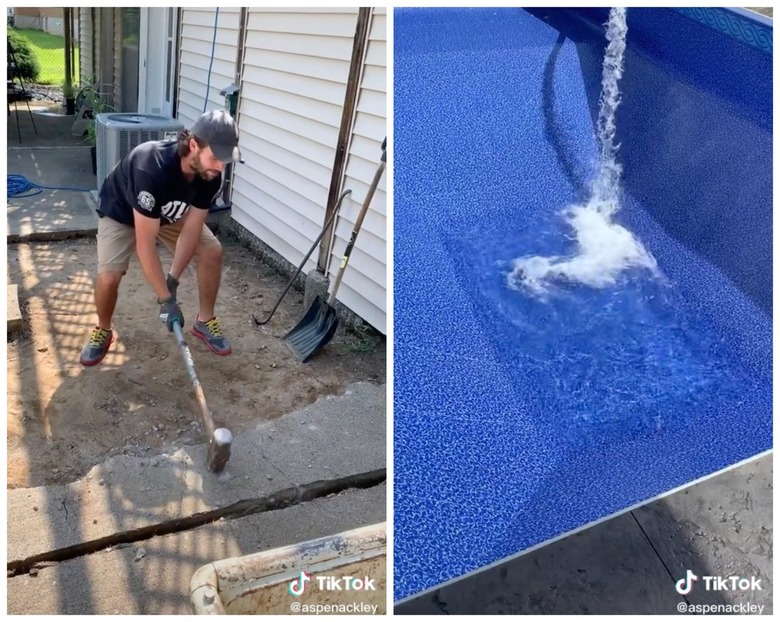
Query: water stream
(603, 249)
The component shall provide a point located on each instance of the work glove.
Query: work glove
(172, 285)
(170, 312)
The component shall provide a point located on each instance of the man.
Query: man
(163, 190)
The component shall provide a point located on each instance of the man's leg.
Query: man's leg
(106, 292)
(115, 244)
(209, 256)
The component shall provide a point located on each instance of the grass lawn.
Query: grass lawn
(50, 52)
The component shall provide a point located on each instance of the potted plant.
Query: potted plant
(94, 105)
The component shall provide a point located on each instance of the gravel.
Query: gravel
(43, 92)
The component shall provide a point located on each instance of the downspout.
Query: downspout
(178, 16)
(345, 131)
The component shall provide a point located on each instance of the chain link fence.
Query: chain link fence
(36, 53)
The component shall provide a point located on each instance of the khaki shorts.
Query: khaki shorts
(116, 243)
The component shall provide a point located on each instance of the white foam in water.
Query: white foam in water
(604, 249)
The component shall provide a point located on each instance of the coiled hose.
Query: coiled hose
(21, 187)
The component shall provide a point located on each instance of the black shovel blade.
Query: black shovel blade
(314, 331)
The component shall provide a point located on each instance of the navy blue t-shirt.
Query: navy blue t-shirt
(149, 179)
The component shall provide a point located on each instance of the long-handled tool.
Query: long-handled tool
(305, 259)
(319, 324)
(220, 438)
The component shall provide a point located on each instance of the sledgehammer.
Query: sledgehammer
(221, 438)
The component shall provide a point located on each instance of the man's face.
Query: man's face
(204, 162)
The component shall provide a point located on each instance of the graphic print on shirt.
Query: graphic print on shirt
(174, 210)
(146, 200)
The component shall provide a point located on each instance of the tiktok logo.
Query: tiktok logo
(684, 586)
(720, 584)
(297, 586)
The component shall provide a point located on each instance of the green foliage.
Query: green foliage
(49, 51)
(27, 63)
(361, 337)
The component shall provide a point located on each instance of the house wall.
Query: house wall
(88, 45)
(197, 32)
(294, 78)
(46, 19)
(364, 284)
(38, 12)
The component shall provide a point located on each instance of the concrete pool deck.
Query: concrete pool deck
(629, 564)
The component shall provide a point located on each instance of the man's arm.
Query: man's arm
(146, 230)
(193, 221)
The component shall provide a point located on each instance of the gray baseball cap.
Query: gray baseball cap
(218, 129)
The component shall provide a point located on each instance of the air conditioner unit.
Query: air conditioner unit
(118, 133)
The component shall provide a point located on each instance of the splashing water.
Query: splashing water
(604, 248)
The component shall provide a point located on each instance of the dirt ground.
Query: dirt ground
(64, 418)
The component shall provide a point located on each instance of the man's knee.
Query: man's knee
(109, 279)
(211, 254)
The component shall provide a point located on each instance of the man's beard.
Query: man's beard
(203, 173)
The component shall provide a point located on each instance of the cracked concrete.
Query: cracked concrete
(335, 437)
(152, 577)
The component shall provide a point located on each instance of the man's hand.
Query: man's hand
(172, 284)
(170, 312)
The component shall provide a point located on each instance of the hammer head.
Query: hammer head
(219, 449)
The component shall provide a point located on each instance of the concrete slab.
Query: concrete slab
(53, 128)
(153, 577)
(333, 437)
(566, 577)
(52, 214)
(629, 565)
(720, 527)
(15, 323)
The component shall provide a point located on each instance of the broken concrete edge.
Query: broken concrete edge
(50, 236)
(234, 577)
(279, 500)
(15, 323)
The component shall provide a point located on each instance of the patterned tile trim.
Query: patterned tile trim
(735, 25)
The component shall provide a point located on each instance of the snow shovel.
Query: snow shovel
(303, 263)
(319, 324)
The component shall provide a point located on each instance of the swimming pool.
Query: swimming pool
(520, 417)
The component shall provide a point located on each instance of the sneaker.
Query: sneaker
(211, 333)
(97, 346)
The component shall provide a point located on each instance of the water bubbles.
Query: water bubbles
(603, 249)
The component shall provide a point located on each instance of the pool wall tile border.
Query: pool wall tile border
(744, 26)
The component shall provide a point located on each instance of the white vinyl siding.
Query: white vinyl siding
(87, 46)
(296, 65)
(117, 66)
(365, 279)
(197, 33)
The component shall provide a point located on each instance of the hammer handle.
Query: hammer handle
(190, 365)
